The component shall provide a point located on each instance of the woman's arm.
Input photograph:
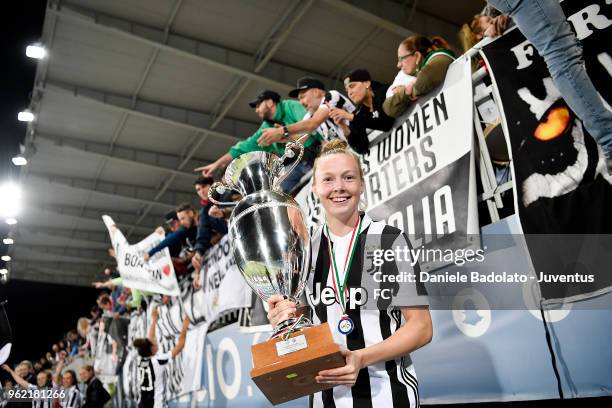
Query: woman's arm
(431, 75)
(23, 383)
(414, 334)
(399, 103)
(151, 334)
(180, 344)
(57, 378)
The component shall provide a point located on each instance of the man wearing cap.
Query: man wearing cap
(318, 102)
(172, 223)
(368, 96)
(272, 111)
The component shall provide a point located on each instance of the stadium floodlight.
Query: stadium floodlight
(3, 271)
(11, 221)
(25, 116)
(36, 51)
(8, 241)
(19, 161)
(10, 201)
(6, 258)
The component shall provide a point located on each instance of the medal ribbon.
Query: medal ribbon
(341, 288)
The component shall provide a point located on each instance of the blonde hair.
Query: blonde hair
(468, 37)
(336, 146)
(83, 326)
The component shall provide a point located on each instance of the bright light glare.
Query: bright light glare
(8, 241)
(6, 258)
(19, 161)
(10, 200)
(3, 271)
(36, 51)
(25, 116)
(11, 221)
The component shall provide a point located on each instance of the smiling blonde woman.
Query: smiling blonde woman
(376, 345)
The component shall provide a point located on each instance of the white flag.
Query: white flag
(155, 276)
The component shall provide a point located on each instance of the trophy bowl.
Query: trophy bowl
(271, 247)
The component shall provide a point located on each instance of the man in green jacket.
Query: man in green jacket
(273, 112)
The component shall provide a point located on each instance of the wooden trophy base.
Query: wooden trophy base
(286, 370)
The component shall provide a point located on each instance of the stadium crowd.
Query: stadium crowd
(316, 117)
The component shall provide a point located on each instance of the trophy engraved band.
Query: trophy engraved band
(271, 247)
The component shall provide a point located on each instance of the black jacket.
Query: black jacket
(95, 396)
(206, 226)
(364, 119)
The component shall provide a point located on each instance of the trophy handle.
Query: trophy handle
(216, 190)
(291, 150)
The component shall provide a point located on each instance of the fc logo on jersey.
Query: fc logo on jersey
(327, 295)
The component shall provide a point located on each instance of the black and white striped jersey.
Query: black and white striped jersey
(43, 402)
(328, 129)
(72, 398)
(153, 378)
(387, 384)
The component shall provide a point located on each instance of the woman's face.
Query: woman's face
(67, 380)
(84, 374)
(22, 370)
(338, 184)
(357, 91)
(407, 59)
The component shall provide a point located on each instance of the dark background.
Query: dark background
(40, 314)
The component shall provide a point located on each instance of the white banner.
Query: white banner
(156, 276)
(224, 288)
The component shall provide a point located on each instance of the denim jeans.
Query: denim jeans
(295, 176)
(544, 25)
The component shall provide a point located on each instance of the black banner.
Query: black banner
(561, 183)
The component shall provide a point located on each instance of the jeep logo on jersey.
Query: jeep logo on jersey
(327, 295)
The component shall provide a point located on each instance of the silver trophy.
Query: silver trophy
(268, 232)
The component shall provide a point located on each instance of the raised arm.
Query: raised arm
(57, 377)
(106, 284)
(209, 169)
(153, 325)
(23, 383)
(180, 344)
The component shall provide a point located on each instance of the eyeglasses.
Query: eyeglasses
(403, 57)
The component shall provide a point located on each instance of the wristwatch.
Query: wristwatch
(285, 131)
